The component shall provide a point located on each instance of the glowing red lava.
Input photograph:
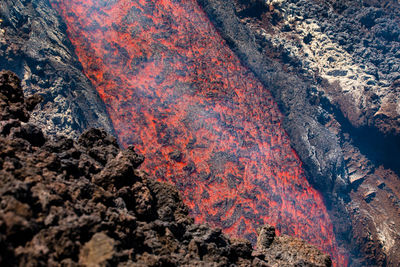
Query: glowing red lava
(176, 91)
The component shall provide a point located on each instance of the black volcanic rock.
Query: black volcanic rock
(86, 203)
(34, 44)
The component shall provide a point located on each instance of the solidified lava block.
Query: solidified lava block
(176, 92)
(85, 203)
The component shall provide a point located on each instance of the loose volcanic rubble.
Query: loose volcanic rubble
(86, 203)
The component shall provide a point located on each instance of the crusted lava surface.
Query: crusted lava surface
(86, 203)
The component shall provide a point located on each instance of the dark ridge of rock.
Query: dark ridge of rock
(333, 67)
(34, 45)
(86, 203)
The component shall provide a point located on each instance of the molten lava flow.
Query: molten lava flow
(204, 122)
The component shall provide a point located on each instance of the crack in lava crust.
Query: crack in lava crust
(204, 122)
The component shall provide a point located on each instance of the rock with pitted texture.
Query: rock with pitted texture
(285, 251)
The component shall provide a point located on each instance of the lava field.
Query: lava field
(175, 91)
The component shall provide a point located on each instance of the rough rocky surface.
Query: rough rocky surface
(352, 44)
(34, 44)
(86, 203)
(333, 67)
(281, 250)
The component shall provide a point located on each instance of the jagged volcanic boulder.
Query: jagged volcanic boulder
(86, 203)
(287, 251)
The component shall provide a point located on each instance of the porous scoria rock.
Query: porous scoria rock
(86, 203)
(34, 44)
(284, 250)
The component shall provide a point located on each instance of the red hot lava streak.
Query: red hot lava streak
(176, 91)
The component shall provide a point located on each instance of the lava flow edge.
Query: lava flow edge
(175, 90)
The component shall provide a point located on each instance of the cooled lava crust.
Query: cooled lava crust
(176, 91)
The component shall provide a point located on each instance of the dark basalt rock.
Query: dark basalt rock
(12, 101)
(34, 44)
(86, 203)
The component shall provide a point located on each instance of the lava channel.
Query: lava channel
(175, 91)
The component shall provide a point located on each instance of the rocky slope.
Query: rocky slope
(333, 66)
(34, 44)
(86, 203)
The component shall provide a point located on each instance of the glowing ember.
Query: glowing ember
(174, 89)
